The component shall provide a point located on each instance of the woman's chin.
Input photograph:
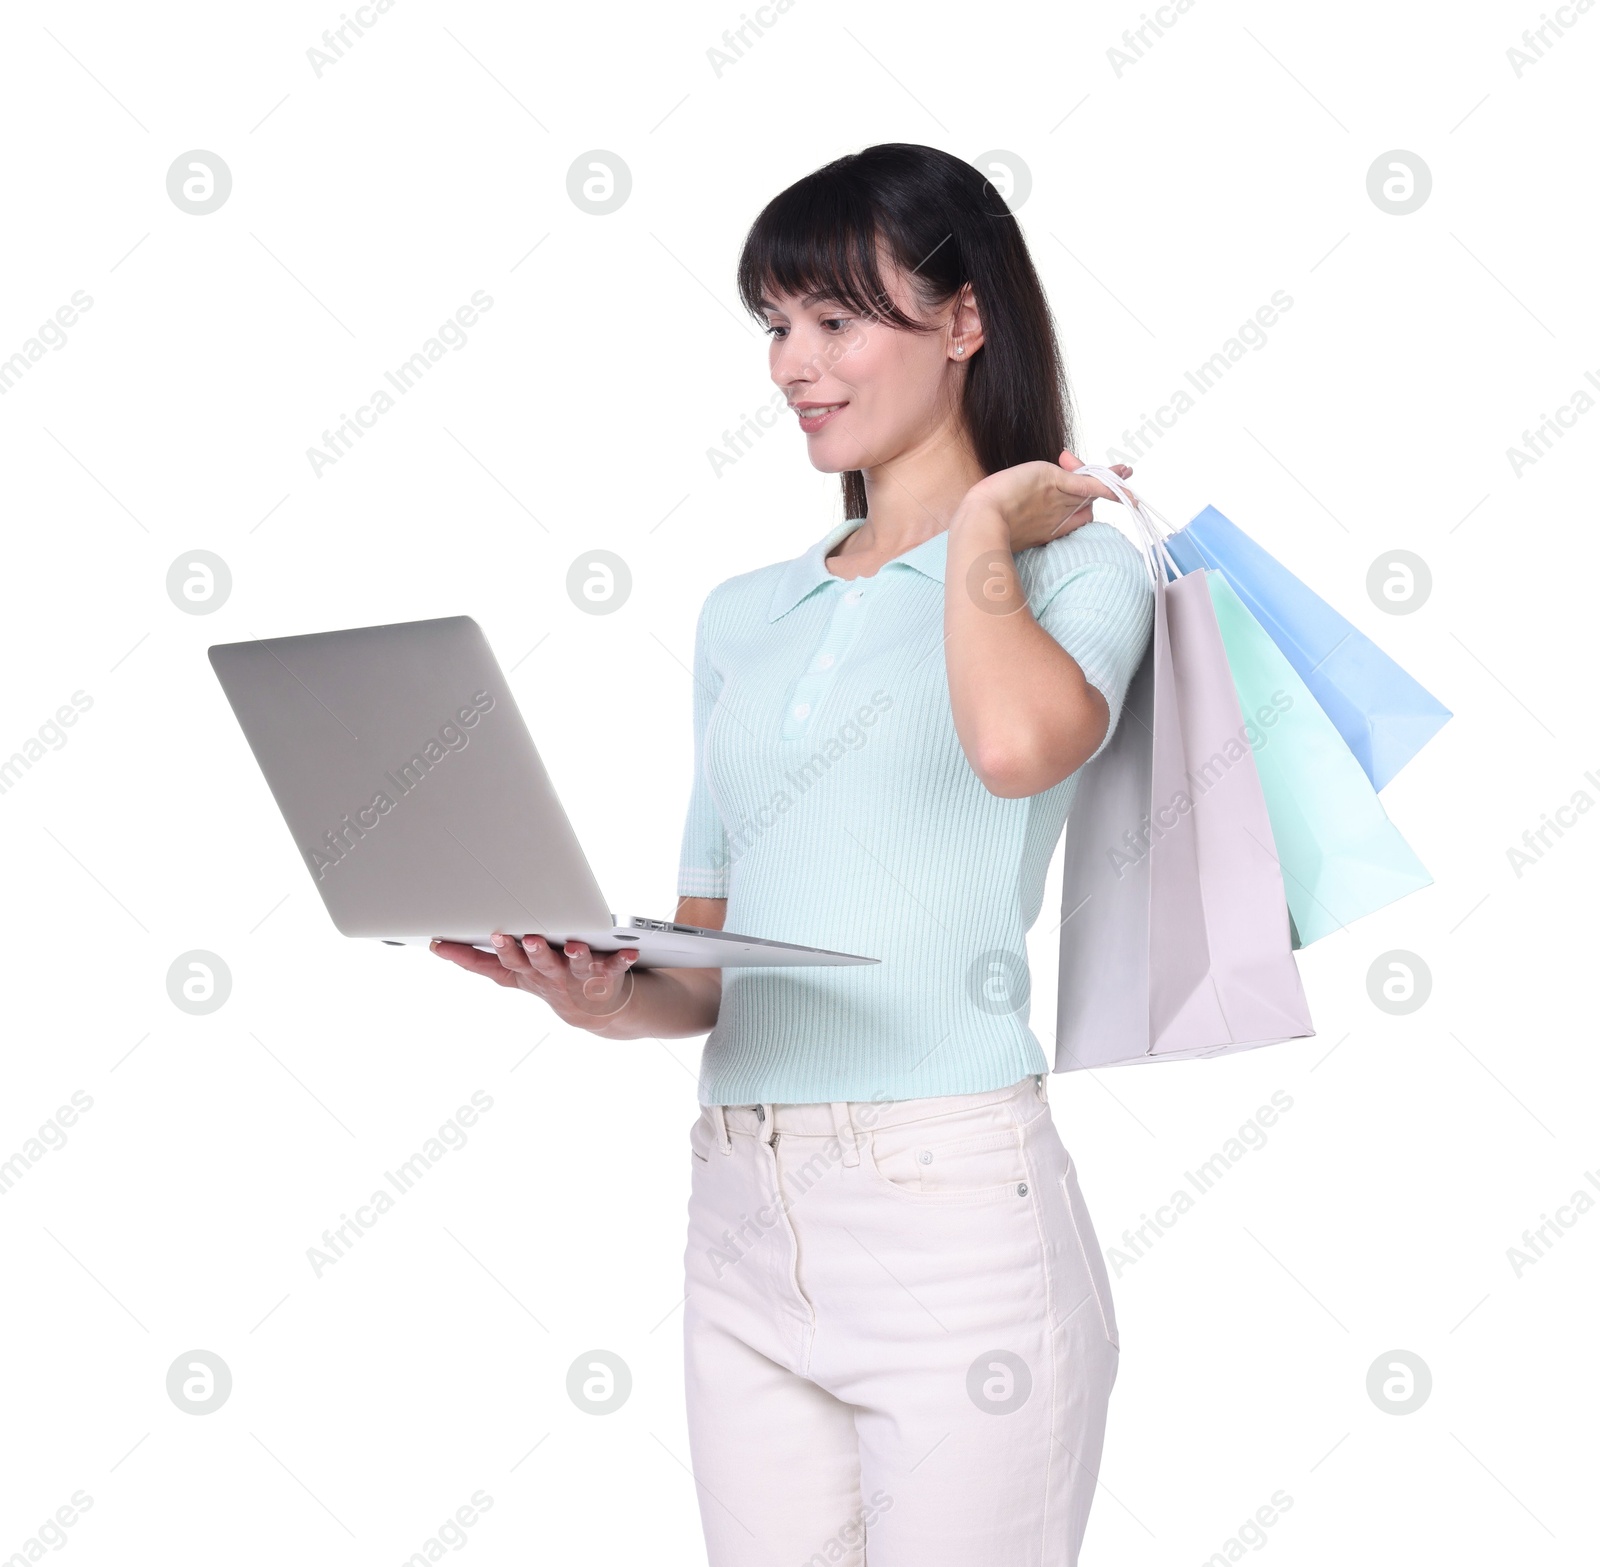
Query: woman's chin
(826, 460)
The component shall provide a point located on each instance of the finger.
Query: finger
(1081, 513)
(1071, 464)
(587, 969)
(509, 951)
(1093, 489)
(597, 976)
(602, 995)
(474, 961)
(1099, 491)
(579, 958)
(611, 969)
(544, 959)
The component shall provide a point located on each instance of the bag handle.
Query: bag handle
(1148, 522)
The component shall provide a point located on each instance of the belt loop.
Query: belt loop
(1039, 1087)
(845, 1131)
(719, 1118)
(769, 1123)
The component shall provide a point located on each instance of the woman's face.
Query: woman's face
(878, 391)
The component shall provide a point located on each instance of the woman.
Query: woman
(898, 1327)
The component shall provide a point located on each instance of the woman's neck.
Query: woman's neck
(909, 499)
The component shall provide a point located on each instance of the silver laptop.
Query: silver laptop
(420, 806)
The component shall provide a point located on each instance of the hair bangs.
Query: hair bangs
(822, 237)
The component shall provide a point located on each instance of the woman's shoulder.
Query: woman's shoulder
(743, 597)
(1098, 547)
(760, 594)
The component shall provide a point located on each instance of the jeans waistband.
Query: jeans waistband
(862, 1115)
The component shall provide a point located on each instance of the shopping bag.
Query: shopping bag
(1175, 930)
(1340, 855)
(1385, 716)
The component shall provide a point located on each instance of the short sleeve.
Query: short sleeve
(1094, 595)
(703, 857)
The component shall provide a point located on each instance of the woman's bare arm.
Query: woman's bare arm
(1024, 713)
(602, 993)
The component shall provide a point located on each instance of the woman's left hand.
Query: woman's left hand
(1040, 501)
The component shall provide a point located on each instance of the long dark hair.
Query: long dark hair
(945, 225)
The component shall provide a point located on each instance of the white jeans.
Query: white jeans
(898, 1334)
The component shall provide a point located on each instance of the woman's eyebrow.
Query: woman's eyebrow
(821, 296)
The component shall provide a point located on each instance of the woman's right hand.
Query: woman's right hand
(583, 988)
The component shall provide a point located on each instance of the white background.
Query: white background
(1167, 204)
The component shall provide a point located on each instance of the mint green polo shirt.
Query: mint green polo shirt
(832, 805)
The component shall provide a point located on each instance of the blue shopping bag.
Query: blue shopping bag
(1340, 856)
(1384, 715)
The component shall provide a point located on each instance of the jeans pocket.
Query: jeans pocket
(954, 1163)
(1089, 1249)
(699, 1134)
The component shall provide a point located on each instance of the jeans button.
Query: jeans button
(1022, 1190)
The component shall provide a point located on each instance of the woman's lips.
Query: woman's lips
(814, 418)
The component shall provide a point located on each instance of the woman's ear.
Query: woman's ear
(966, 325)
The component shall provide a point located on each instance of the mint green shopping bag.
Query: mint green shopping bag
(1340, 855)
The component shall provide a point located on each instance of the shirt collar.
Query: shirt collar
(805, 573)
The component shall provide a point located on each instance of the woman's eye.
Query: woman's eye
(839, 322)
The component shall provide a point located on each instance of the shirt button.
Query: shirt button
(824, 661)
(801, 709)
(853, 596)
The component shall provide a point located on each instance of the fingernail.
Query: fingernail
(433, 946)
(498, 939)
